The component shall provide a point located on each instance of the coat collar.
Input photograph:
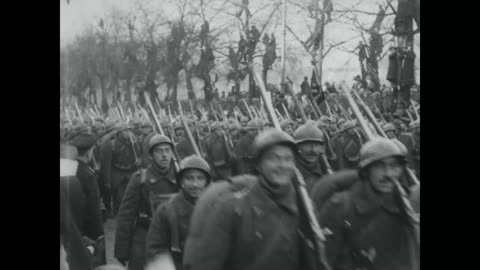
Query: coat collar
(265, 201)
(183, 206)
(315, 170)
(154, 174)
(367, 201)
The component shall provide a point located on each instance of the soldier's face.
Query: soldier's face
(194, 182)
(384, 173)
(147, 130)
(277, 165)
(218, 132)
(391, 134)
(179, 133)
(162, 155)
(311, 151)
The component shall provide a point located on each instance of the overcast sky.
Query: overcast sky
(77, 15)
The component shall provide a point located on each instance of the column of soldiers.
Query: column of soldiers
(238, 208)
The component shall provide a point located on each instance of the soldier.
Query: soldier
(347, 146)
(184, 146)
(372, 229)
(145, 133)
(218, 154)
(243, 121)
(120, 159)
(169, 227)
(288, 126)
(415, 151)
(92, 227)
(244, 149)
(252, 221)
(72, 201)
(310, 142)
(147, 189)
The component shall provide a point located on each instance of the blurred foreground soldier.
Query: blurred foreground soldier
(310, 142)
(92, 226)
(253, 221)
(147, 189)
(369, 222)
(168, 231)
(72, 214)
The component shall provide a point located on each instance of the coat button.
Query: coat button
(258, 235)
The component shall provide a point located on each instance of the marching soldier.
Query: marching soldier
(218, 154)
(184, 146)
(252, 221)
(92, 226)
(310, 142)
(120, 159)
(405, 138)
(288, 125)
(244, 149)
(347, 146)
(147, 189)
(371, 228)
(168, 231)
(415, 151)
(243, 121)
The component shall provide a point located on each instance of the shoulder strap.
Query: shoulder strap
(174, 232)
(143, 176)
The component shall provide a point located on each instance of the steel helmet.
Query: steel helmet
(270, 137)
(324, 118)
(308, 132)
(388, 127)
(158, 139)
(286, 123)
(377, 149)
(194, 162)
(146, 123)
(243, 119)
(251, 125)
(400, 145)
(347, 125)
(215, 125)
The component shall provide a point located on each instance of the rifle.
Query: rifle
(68, 116)
(78, 112)
(169, 116)
(287, 114)
(305, 200)
(328, 108)
(415, 109)
(226, 137)
(248, 109)
(187, 129)
(160, 130)
(298, 104)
